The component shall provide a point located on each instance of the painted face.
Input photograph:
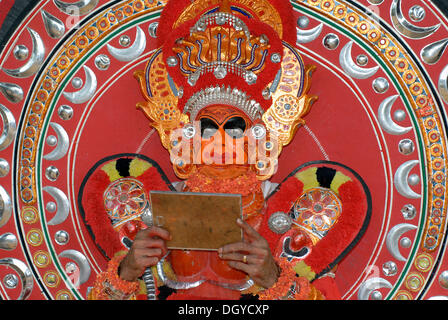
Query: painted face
(223, 136)
(223, 141)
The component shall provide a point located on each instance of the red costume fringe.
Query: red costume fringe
(96, 216)
(344, 231)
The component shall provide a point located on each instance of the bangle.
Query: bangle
(285, 281)
(109, 285)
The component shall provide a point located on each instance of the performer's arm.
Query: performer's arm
(120, 280)
(147, 249)
(275, 278)
(252, 256)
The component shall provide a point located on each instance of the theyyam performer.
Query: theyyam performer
(226, 92)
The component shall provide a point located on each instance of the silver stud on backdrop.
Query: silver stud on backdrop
(276, 57)
(189, 131)
(376, 295)
(380, 85)
(171, 61)
(258, 131)
(77, 83)
(443, 279)
(390, 268)
(362, 60)
(65, 112)
(4, 168)
(102, 62)
(279, 222)
(303, 22)
(409, 212)
(11, 281)
(61, 237)
(331, 41)
(399, 115)
(406, 147)
(220, 72)
(417, 13)
(125, 40)
(21, 52)
(405, 242)
(266, 93)
(52, 173)
(250, 77)
(52, 141)
(413, 179)
(51, 206)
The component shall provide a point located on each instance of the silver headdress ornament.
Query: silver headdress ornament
(223, 95)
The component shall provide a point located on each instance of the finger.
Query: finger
(243, 248)
(150, 243)
(241, 266)
(239, 257)
(236, 247)
(146, 262)
(153, 252)
(153, 232)
(159, 232)
(249, 231)
(235, 256)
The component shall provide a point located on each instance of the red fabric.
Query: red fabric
(170, 14)
(328, 287)
(96, 216)
(344, 231)
(282, 201)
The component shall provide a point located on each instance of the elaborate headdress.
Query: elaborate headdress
(227, 52)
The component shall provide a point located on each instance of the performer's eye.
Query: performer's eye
(208, 128)
(235, 127)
